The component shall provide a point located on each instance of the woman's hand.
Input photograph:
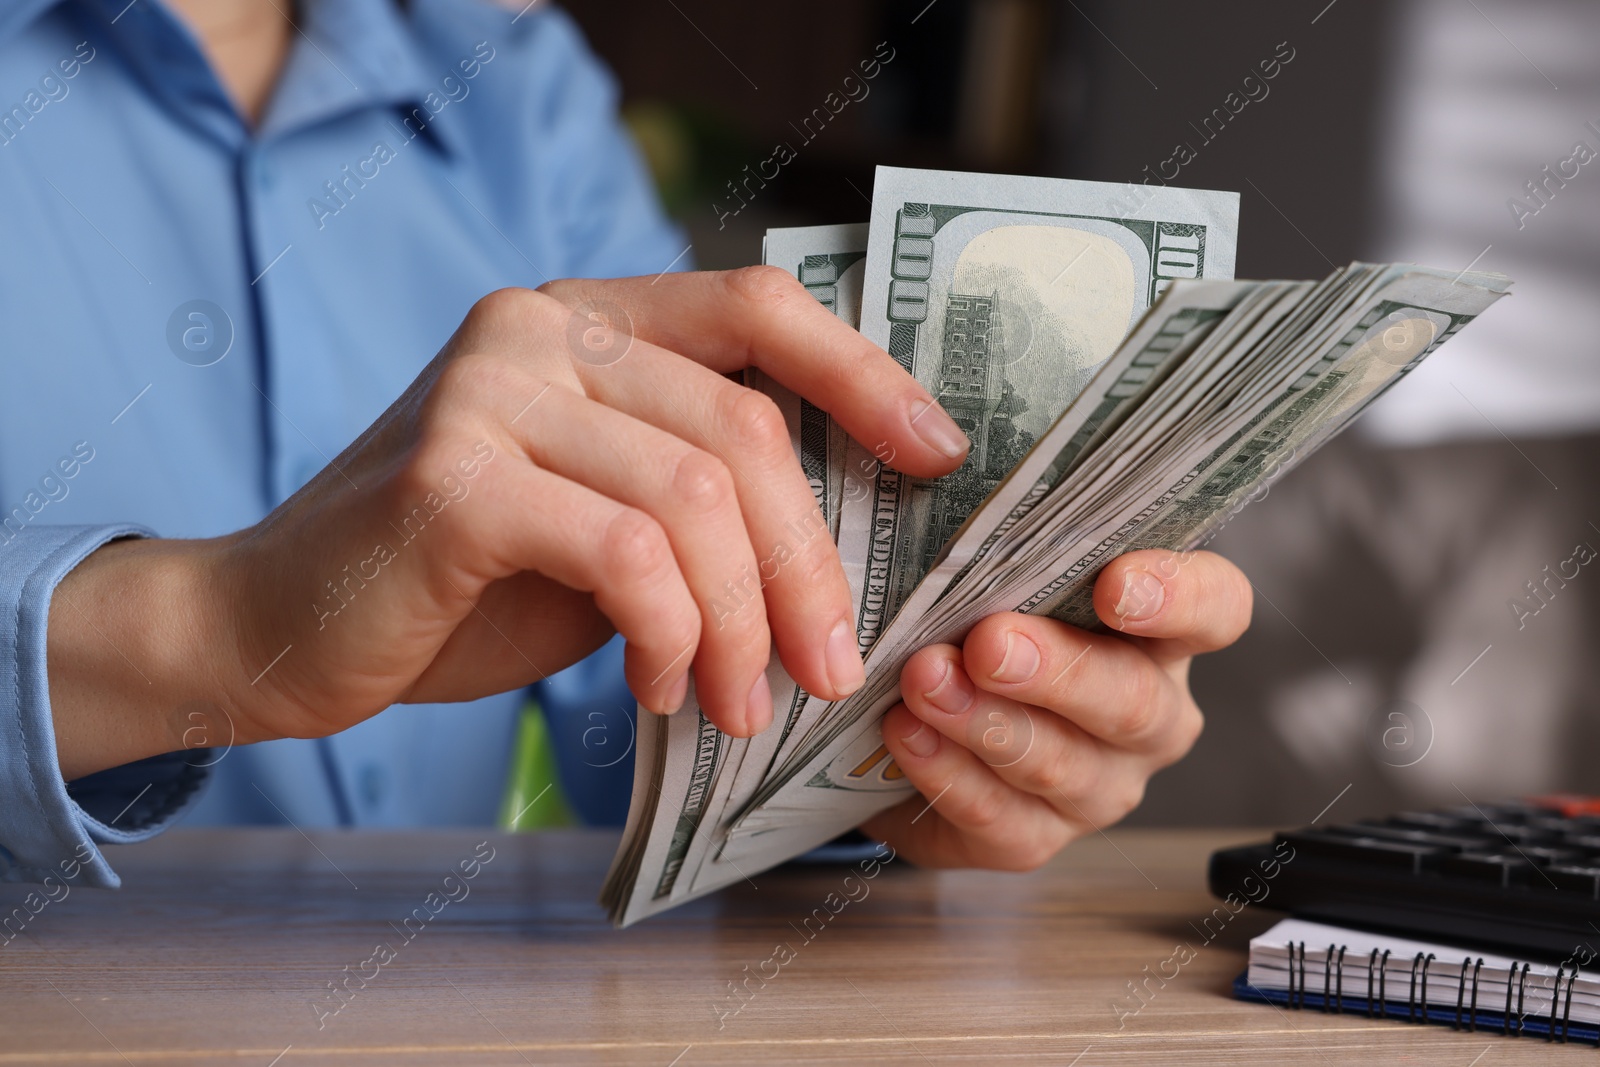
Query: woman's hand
(1034, 733)
(573, 461)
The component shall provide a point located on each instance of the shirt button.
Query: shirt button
(261, 171)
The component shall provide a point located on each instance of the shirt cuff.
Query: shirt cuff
(48, 828)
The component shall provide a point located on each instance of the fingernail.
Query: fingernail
(1020, 662)
(758, 710)
(1142, 596)
(953, 694)
(845, 669)
(921, 742)
(676, 695)
(938, 430)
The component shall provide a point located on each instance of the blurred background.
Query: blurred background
(1425, 613)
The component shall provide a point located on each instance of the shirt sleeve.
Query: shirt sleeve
(605, 198)
(48, 827)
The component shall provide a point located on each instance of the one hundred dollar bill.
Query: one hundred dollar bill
(1391, 318)
(696, 776)
(1119, 392)
(1003, 296)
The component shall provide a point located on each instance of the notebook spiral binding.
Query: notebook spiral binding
(1417, 998)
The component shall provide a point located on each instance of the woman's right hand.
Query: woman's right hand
(573, 461)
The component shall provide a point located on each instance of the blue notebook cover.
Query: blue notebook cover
(1489, 1018)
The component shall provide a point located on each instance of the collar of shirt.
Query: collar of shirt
(347, 55)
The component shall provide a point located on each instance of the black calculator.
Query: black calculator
(1522, 876)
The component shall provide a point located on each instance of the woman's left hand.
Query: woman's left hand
(1033, 732)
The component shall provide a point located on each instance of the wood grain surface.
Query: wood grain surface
(223, 947)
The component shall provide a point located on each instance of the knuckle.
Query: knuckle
(738, 613)
(1034, 854)
(681, 629)
(635, 547)
(1077, 772)
(1125, 796)
(982, 809)
(429, 468)
(765, 286)
(1185, 732)
(475, 376)
(1053, 773)
(755, 423)
(1138, 714)
(701, 481)
(504, 307)
(813, 567)
(1047, 778)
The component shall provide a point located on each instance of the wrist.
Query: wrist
(133, 655)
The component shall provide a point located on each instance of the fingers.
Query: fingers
(783, 554)
(690, 494)
(1106, 685)
(796, 563)
(723, 322)
(619, 554)
(762, 317)
(967, 816)
(1194, 601)
(1028, 748)
(1033, 750)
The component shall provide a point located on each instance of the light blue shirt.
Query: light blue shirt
(195, 317)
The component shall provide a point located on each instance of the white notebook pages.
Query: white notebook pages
(1399, 976)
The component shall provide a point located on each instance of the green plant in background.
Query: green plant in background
(533, 799)
(692, 151)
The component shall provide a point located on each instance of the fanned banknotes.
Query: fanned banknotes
(1120, 393)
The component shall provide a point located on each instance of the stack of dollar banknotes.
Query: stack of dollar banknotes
(1121, 392)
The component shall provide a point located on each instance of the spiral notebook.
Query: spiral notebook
(1299, 964)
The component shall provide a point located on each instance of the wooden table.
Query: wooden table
(221, 947)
